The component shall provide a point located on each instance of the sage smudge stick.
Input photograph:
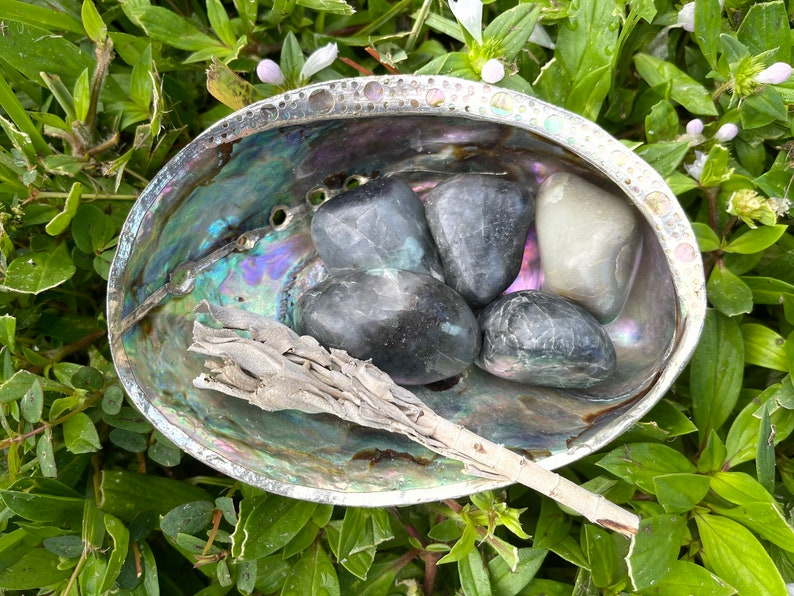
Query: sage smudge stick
(274, 368)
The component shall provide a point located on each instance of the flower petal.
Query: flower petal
(469, 15)
(492, 71)
(686, 16)
(778, 73)
(269, 72)
(322, 58)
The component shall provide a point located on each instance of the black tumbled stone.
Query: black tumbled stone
(380, 224)
(411, 325)
(543, 339)
(479, 223)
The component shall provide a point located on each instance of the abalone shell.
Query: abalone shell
(479, 223)
(412, 326)
(543, 339)
(589, 241)
(380, 224)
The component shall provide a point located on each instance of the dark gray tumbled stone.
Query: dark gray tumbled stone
(380, 224)
(480, 225)
(412, 326)
(540, 338)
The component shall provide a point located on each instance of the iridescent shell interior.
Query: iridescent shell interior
(227, 221)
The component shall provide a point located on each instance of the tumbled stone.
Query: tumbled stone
(412, 326)
(380, 224)
(535, 337)
(480, 225)
(589, 241)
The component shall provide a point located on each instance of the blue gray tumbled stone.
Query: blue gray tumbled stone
(589, 241)
(380, 224)
(412, 326)
(543, 339)
(480, 225)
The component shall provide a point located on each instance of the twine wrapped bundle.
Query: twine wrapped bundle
(275, 369)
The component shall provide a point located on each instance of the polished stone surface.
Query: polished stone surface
(411, 325)
(543, 339)
(589, 241)
(378, 224)
(480, 224)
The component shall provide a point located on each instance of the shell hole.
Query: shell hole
(279, 216)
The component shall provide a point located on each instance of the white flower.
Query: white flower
(726, 132)
(269, 72)
(469, 15)
(778, 73)
(781, 206)
(694, 127)
(541, 37)
(320, 59)
(686, 16)
(492, 71)
(695, 169)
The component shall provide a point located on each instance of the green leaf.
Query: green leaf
(727, 292)
(473, 575)
(762, 108)
(267, 523)
(129, 419)
(768, 290)
(764, 347)
(512, 28)
(126, 494)
(39, 16)
(94, 25)
(640, 463)
(708, 23)
(46, 455)
(121, 537)
(756, 507)
(169, 28)
(128, 440)
(312, 574)
(766, 27)
(80, 435)
(38, 271)
(292, 59)
(654, 550)
(330, 6)
(361, 532)
(765, 452)
(749, 569)
(691, 579)
(189, 518)
(35, 568)
(742, 440)
(716, 372)
(716, 169)
(602, 555)
(713, 455)
(220, 23)
(679, 493)
(507, 582)
(8, 330)
(60, 222)
(13, 107)
(43, 500)
(32, 403)
(165, 453)
(463, 546)
(664, 157)
(685, 90)
(82, 95)
(754, 241)
(661, 124)
(707, 238)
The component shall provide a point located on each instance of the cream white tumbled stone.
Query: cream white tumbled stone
(589, 241)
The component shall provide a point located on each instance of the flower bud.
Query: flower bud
(686, 16)
(492, 71)
(694, 127)
(269, 72)
(726, 132)
(320, 59)
(778, 73)
(750, 207)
